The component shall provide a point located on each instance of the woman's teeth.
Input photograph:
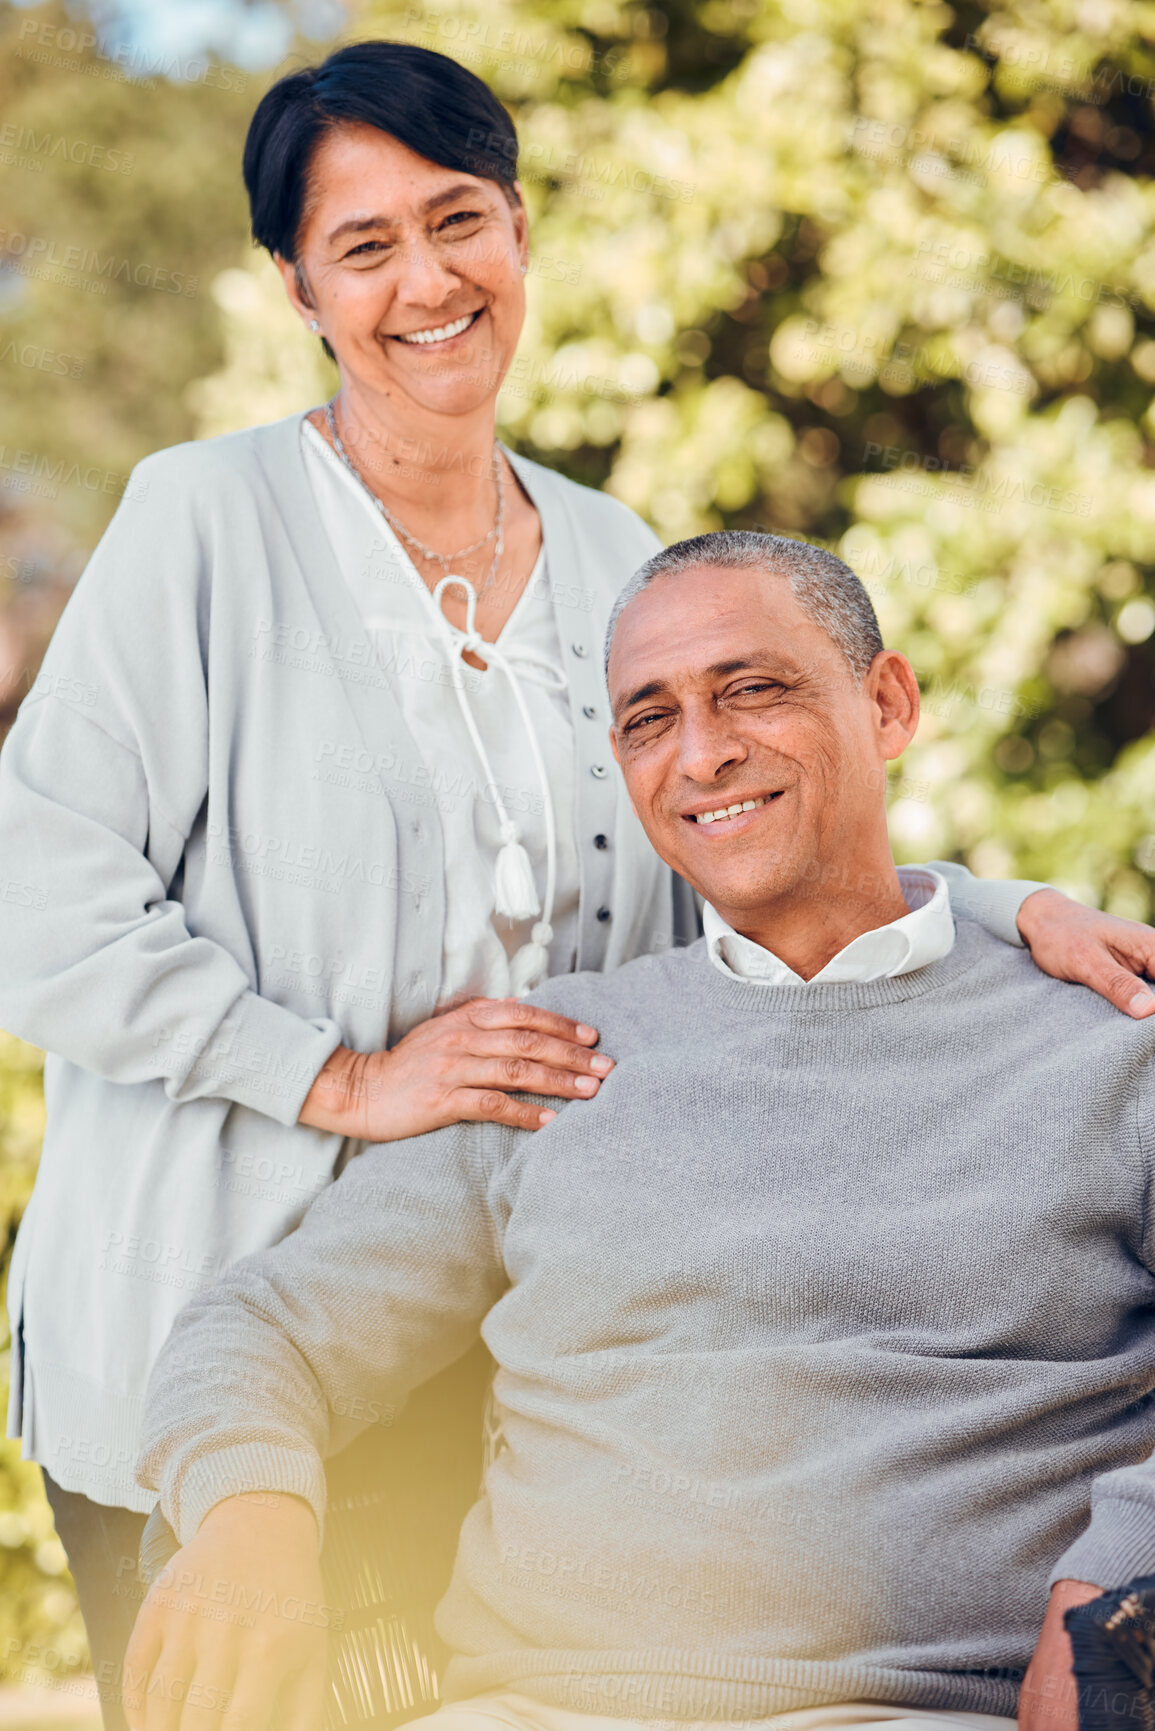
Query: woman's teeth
(441, 334)
(727, 811)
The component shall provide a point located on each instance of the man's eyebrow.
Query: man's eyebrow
(640, 695)
(358, 224)
(735, 666)
(716, 670)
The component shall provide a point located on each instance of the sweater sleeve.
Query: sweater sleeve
(993, 902)
(101, 780)
(298, 1348)
(1118, 1542)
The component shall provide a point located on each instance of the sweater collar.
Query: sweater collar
(820, 999)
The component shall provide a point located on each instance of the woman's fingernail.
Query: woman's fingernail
(585, 1084)
(585, 1032)
(601, 1064)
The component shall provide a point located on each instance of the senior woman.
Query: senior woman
(315, 784)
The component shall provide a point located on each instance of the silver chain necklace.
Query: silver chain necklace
(445, 560)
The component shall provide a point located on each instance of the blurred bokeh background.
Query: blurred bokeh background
(880, 273)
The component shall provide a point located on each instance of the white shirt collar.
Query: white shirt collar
(923, 935)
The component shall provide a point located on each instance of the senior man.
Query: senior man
(823, 1331)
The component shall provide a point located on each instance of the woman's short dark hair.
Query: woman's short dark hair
(427, 101)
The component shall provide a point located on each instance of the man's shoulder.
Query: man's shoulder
(1021, 1002)
(644, 987)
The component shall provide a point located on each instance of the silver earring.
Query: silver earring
(524, 268)
(314, 326)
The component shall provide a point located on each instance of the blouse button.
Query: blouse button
(600, 841)
(598, 770)
(603, 913)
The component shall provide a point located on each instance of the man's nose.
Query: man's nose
(708, 745)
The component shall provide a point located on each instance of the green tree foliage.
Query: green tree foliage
(122, 198)
(880, 273)
(41, 1633)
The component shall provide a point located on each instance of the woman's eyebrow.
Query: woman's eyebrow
(356, 224)
(460, 190)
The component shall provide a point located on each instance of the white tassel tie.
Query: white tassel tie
(514, 891)
(527, 969)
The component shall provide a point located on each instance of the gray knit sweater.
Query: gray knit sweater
(815, 1331)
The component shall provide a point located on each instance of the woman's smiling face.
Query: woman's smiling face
(414, 270)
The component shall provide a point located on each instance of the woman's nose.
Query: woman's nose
(424, 277)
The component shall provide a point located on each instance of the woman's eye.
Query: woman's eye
(461, 217)
(365, 247)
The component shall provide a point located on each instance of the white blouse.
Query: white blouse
(401, 620)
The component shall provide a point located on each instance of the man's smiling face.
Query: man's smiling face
(726, 695)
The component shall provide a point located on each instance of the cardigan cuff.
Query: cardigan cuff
(243, 1467)
(993, 902)
(1118, 1545)
(262, 1056)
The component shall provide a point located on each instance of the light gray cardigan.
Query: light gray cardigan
(222, 856)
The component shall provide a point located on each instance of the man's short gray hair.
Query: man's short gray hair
(827, 591)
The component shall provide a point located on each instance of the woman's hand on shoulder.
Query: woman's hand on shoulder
(464, 1065)
(1109, 954)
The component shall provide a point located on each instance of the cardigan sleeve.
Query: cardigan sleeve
(101, 778)
(993, 902)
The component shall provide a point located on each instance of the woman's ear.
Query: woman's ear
(296, 287)
(520, 226)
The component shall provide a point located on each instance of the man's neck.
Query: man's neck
(810, 926)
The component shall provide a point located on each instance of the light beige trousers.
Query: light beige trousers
(506, 1711)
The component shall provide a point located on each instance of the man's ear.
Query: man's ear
(891, 684)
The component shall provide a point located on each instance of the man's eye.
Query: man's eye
(756, 685)
(644, 720)
(366, 246)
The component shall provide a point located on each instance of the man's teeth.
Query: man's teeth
(440, 334)
(727, 811)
